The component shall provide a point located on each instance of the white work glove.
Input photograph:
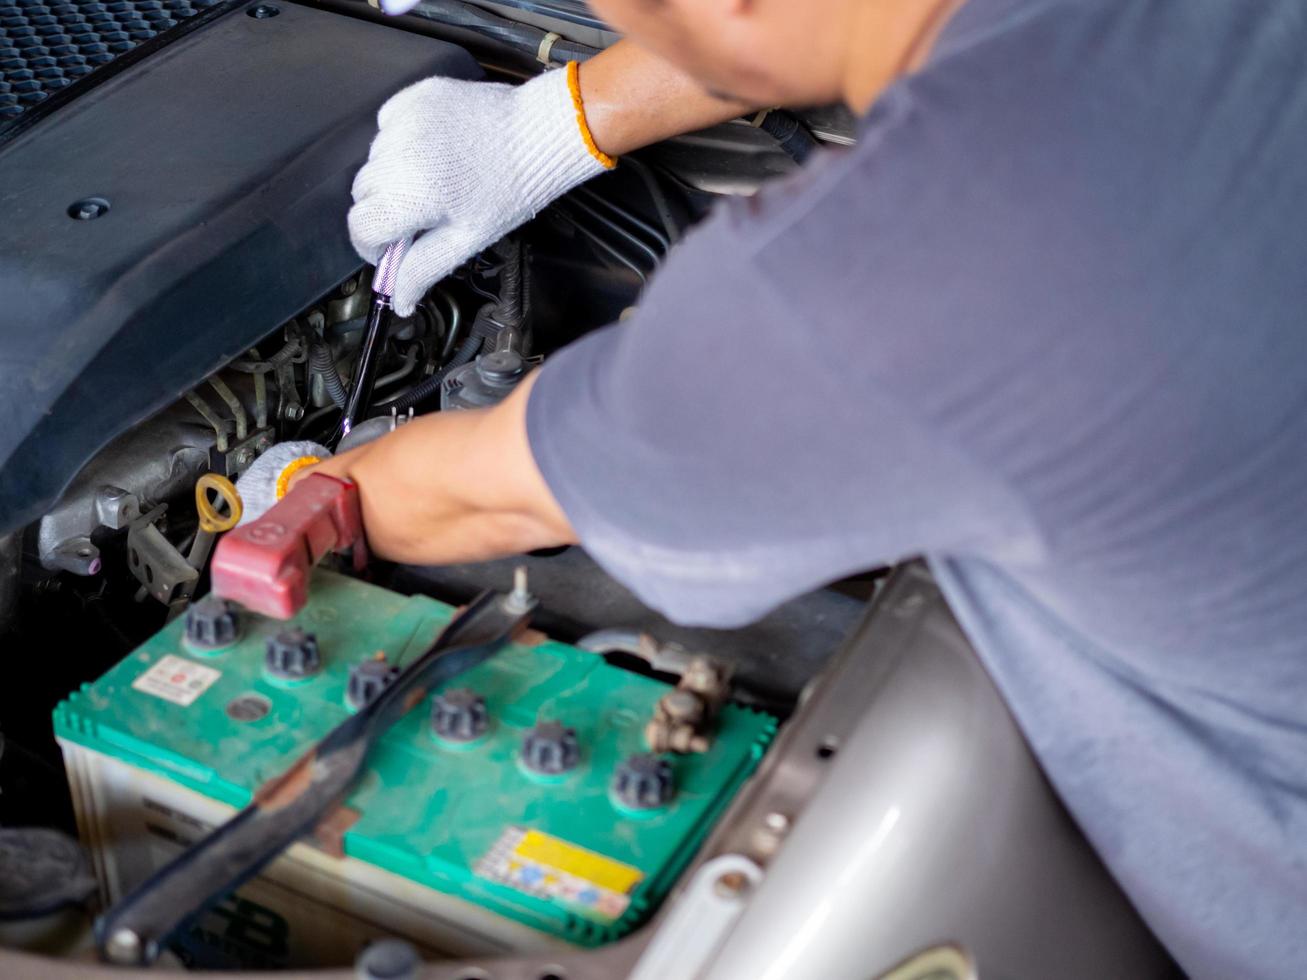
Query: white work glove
(264, 483)
(465, 163)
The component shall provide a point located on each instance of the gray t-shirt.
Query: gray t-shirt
(1047, 326)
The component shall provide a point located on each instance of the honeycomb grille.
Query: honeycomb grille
(47, 46)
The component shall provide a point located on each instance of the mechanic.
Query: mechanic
(1043, 325)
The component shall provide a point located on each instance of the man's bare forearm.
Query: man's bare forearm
(634, 98)
(453, 487)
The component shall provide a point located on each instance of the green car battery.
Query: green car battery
(515, 810)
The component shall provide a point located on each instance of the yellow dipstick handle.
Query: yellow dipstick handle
(211, 521)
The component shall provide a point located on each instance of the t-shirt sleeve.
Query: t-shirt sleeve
(726, 448)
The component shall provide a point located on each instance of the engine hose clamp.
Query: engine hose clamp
(546, 49)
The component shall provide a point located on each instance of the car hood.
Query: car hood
(224, 154)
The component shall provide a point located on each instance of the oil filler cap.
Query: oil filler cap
(643, 782)
(459, 715)
(367, 680)
(292, 654)
(212, 624)
(550, 749)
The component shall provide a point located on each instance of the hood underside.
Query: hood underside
(216, 172)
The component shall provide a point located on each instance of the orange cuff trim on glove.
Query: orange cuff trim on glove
(293, 467)
(574, 86)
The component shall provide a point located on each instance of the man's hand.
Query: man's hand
(454, 487)
(464, 163)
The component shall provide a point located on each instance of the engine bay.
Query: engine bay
(169, 735)
(158, 735)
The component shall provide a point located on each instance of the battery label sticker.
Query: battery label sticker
(177, 680)
(547, 867)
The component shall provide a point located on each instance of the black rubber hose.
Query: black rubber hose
(793, 137)
(486, 326)
(455, 327)
(403, 371)
(423, 390)
(512, 285)
(267, 365)
(285, 355)
(785, 127)
(466, 351)
(468, 17)
(322, 363)
(788, 130)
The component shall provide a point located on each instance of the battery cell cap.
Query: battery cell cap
(459, 715)
(292, 654)
(643, 781)
(550, 749)
(212, 624)
(366, 680)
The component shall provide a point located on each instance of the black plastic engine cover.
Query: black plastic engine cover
(226, 159)
(46, 45)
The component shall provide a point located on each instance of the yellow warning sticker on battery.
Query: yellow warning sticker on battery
(547, 867)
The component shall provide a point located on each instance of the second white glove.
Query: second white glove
(461, 164)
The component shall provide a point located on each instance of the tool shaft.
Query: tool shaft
(374, 339)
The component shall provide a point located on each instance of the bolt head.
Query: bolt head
(294, 412)
(767, 839)
(88, 209)
(732, 884)
(124, 947)
(388, 959)
(520, 601)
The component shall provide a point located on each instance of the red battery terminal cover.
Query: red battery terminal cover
(264, 565)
